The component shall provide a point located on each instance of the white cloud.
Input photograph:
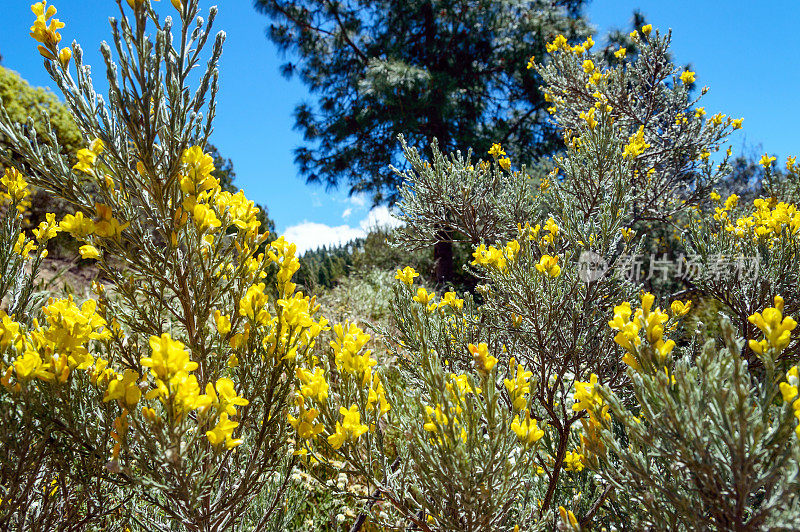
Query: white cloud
(379, 217)
(359, 200)
(347, 212)
(312, 235)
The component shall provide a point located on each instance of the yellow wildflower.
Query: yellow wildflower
(169, 357)
(549, 266)
(223, 432)
(124, 388)
(483, 360)
(313, 385)
(766, 161)
(687, 77)
(526, 430)
(777, 330)
(406, 275)
(349, 429)
(89, 252)
(679, 308)
(496, 151)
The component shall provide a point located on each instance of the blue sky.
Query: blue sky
(746, 51)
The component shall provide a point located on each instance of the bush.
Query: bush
(200, 390)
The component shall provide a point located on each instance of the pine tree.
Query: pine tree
(449, 70)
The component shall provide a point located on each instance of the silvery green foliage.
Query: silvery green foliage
(646, 93)
(471, 474)
(151, 113)
(715, 449)
(742, 270)
(149, 119)
(462, 199)
(600, 195)
(33, 466)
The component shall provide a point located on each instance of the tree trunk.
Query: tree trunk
(443, 259)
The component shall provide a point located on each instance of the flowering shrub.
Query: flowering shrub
(170, 387)
(190, 387)
(644, 422)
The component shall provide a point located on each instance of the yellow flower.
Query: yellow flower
(45, 33)
(377, 396)
(15, 184)
(187, 393)
(731, 202)
(519, 386)
(573, 461)
(483, 360)
(313, 385)
(31, 366)
(241, 212)
(588, 399)
(71, 328)
(124, 388)
(647, 28)
(205, 218)
(225, 398)
(449, 299)
(549, 266)
(588, 66)
(491, 256)
(349, 429)
(531, 62)
(423, 297)
(589, 118)
(552, 228)
(305, 423)
(253, 304)
(436, 418)
(737, 123)
(107, 226)
(223, 323)
(620, 54)
(86, 160)
(89, 252)
(406, 275)
(627, 234)
(526, 430)
(559, 43)
(47, 229)
(346, 348)
(496, 151)
(169, 357)
(568, 518)
(687, 77)
(77, 225)
(679, 308)
(24, 247)
(776, 328)
(766, 161)
(9, 331)
(505, 163)
(636, 144)
(197, 167)
(223, 432)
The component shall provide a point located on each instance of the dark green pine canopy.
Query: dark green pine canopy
(451, 70)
